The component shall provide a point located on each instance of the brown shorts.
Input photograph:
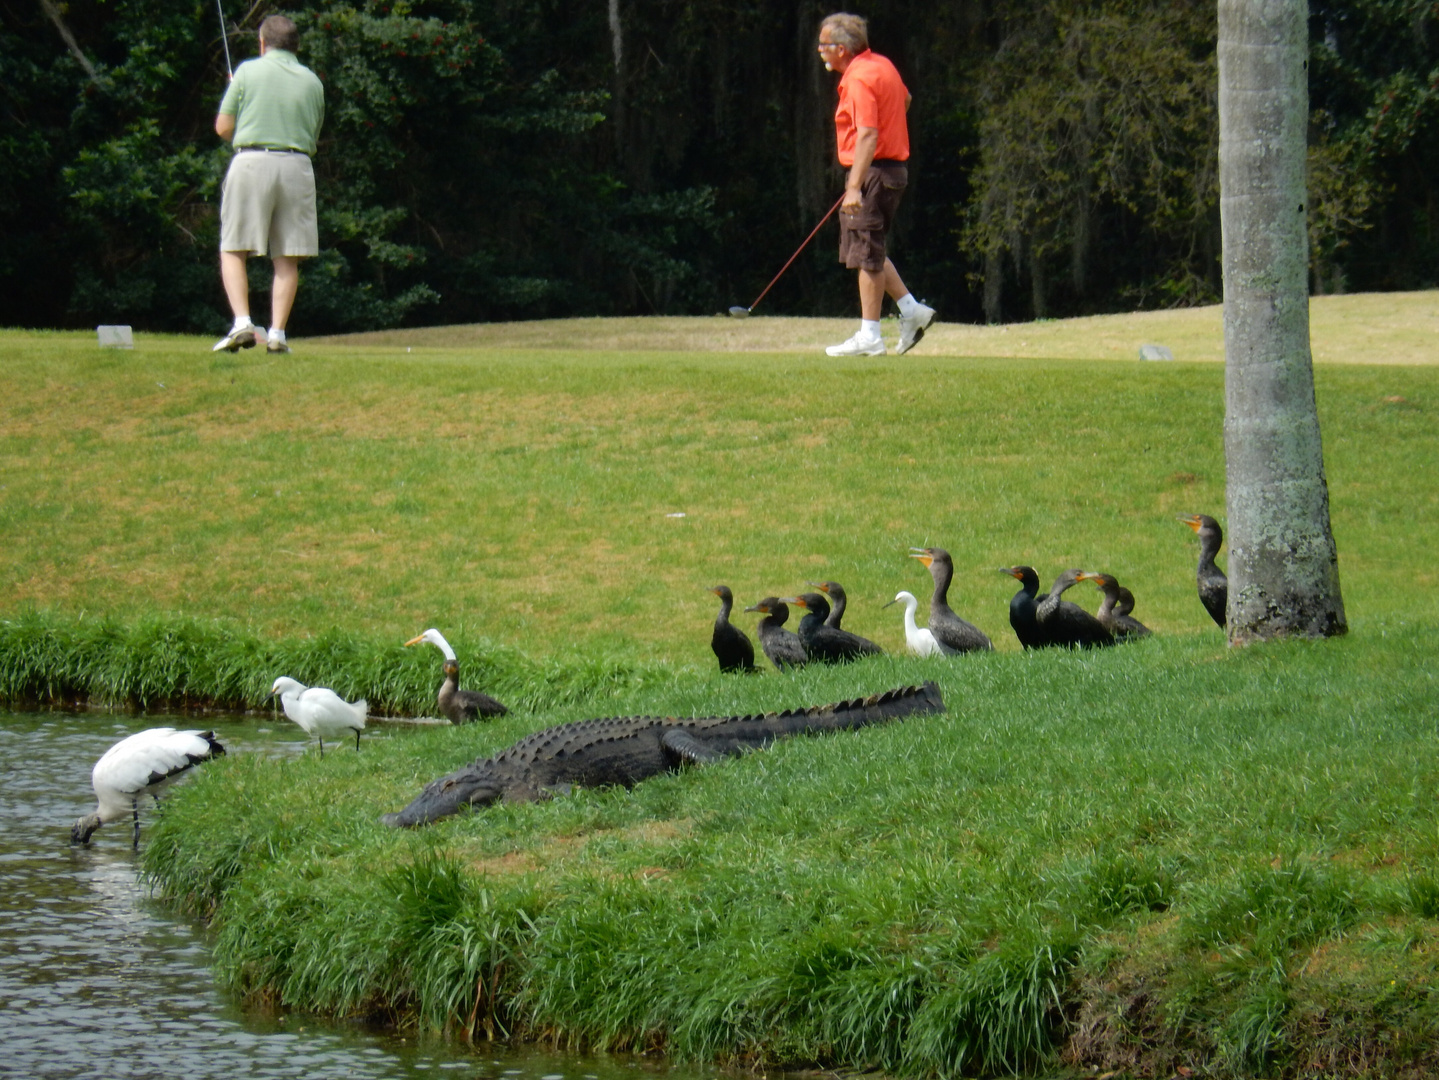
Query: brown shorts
(861, 235)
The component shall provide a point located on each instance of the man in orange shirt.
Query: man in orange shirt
(873, 139)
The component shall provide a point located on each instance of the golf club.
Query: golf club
(742, 312)
(224, 37)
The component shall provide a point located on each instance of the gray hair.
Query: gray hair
(851, 31)
(280, 32)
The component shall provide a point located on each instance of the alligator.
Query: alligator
(625, 750)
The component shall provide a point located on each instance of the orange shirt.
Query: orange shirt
(871, 94)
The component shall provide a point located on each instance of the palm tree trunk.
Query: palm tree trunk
(1283, 565)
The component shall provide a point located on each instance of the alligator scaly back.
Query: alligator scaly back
(628, 749)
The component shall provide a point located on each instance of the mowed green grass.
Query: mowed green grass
(1168, 854)
(532, 498)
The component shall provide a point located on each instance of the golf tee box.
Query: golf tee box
(115, 337)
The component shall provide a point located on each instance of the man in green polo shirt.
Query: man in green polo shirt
(272, 112)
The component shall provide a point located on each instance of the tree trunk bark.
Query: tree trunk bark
(1283, 565)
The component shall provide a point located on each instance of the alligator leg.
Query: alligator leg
(686, 747)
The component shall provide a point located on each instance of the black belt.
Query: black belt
(882, 161)
(269, 150)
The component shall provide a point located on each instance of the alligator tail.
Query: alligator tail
(890, 705)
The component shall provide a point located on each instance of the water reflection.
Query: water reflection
(96, 979)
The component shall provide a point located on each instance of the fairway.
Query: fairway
(1165, 854)
(1381, 328)
(553, 498)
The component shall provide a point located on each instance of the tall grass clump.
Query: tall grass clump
(999, 1013)
(180, 663)
(1272, 909)
(433, 945)
(462, 944)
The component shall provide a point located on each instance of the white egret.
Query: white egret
(141, 765)
(920, 641)
(458, 705)
(320, 711)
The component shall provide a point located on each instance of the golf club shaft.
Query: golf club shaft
(797, 250)
(224, 37)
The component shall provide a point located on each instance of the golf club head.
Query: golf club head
(739, 312)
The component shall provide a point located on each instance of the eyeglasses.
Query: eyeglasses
(826, 45)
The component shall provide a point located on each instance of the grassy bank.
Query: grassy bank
(1164, 855)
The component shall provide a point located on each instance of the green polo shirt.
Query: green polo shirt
(276, 102)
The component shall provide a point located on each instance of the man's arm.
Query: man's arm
(225, 115)
(866, 140)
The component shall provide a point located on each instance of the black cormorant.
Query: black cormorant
(731, 645)
(458, 706)
(1022, 607)
(1118, 603)
(1213, 585)
(948, 628)
(783, 647)
(1068, 624)
(822, 642)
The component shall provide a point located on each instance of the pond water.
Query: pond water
(98, 979)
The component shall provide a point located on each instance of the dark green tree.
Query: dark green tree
(1097, 147)
(454, 180)
(1374, 170)
(500, 159)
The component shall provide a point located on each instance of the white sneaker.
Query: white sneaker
(276, 344)
(858, 346)
(235, 340)
(912, 327)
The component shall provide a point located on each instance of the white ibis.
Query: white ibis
(320, 711)
(919, 639)
(141, 765)
(458, 705)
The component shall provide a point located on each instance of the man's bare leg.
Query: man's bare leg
(283, 290)
(873, 285)
(237, 291)
(237, 284)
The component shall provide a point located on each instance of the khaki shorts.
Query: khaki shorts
(861, 235)
(267, 206)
